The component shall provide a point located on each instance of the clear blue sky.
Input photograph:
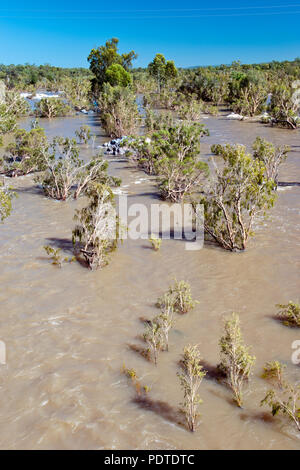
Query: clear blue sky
(191, 32)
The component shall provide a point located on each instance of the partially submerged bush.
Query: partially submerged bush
(190, 380)
(179, 297)
(284, 398)
(236, 362)
(27, 153)
(118, 111)
(56, 257)
(66, 175)
(6, 196)
(84, 134)
(52, 107)
(155, 242)
(273, 372)
(12, 106)
(98, 226)
(289, 314)
(156, 121)
(283, 108)
(190, 111)
(236, 198)
(271, 156)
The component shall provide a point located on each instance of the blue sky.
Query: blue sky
(192, 33)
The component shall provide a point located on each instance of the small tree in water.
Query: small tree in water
(284, 398)
(271, 156)
(179, 297)
(190, 381)
(98, 227)
(289, 314)
(84, 134)
(5, 201)
(239, 194)
(236, 362)
(154, 338)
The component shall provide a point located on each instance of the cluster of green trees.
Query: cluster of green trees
(236, 362)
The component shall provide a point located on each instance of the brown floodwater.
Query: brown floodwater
(69, 331)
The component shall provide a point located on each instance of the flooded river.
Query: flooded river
(68, 331)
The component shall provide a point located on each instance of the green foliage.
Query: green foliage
(236, 362)
(284, 399)
(156, 122)
(84, 134)
(191, 110)
(103, 57)
(155, 242)
(56, 257)
(179, 170)
(6, 196)
(67, 175)
(283, 109)
(98, 226)
(271, 156)
(273, 372)
(289, 314)
(178, 297)
(52, 107)
(162, 70)
(190, 380)
(154, 339)
(27, 153)
(77, 91)
(118, 111)
(237, 196)
(116, 75)
(12, 106)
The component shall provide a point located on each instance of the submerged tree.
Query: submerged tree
(178, 297)
(289, 314)
(27, 153)
(190, 380)
(238, 195)
(271, 156)
(284, 398)
(236, 362)
(84, 134)
(6, 196)
(67, 175)
(154, 338)
(52, 107)
(98, 226)
(118, 111)
(283, 109)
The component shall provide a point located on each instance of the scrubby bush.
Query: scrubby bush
(271, 156)
(52, 107)
(236, 362)
(27, 153)
(97, 226)
(84, 134)
(190, 380)
(289, 314)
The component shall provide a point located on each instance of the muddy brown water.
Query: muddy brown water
(69, 331)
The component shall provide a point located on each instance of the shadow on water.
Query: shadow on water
(161, 408)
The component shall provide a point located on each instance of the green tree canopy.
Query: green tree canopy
(116, 75)
(162, 70)
(103, 57)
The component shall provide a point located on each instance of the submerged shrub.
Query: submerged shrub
(67, 175)
(289, 314)
(273, 372)
(179, 297)
(56, 257)
(155, 242)
(190, 380)
(52, 107)
(6, 196)
(271, 156)
(118, 110)
(238, 195)
(284, 398)
(98, 226)
(84, 134)
(154, 338)
(236, 362)
(27, 153)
